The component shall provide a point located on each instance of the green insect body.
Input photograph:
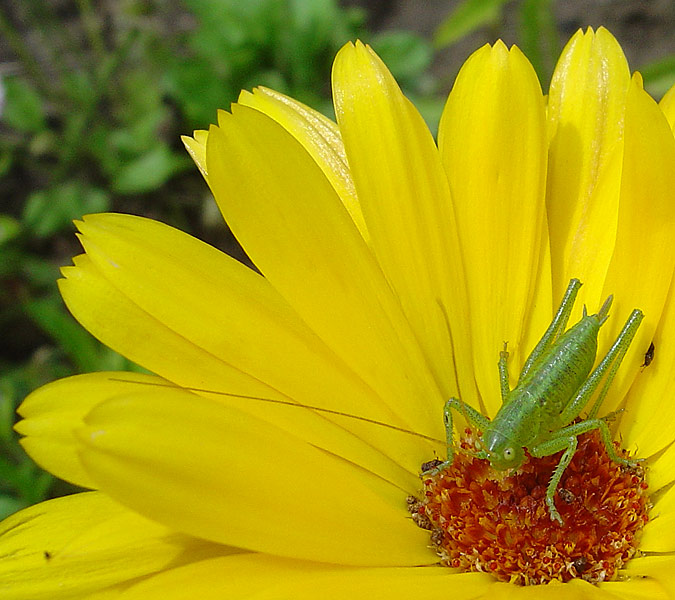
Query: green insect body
(555, 385)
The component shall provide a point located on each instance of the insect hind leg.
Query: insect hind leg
(557, 326)
(609, 365)
(472, 415)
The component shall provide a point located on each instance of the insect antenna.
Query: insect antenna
(318, 409)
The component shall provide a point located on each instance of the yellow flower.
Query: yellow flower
(392, 272)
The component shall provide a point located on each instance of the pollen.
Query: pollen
(482, 520)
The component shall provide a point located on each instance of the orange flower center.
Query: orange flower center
(482, 520)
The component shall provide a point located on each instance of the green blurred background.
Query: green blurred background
(94, 97)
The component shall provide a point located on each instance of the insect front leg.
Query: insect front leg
(570, 443)
(566, 439)
(473, 416)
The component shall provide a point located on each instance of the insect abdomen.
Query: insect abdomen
(559, 373)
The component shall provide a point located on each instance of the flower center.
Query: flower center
(483, 520)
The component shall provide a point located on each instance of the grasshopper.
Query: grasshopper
(553, 388)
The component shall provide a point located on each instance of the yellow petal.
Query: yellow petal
(53, 412)
(196, 147)
(297, 232)
(585, 117)
(406, 203)
(645, 428)
(576, 589)
(641, 267)
(221, 327)
(212, 471)
(392, 584)
(493, 146)
(259, 576)
(319, 136)
(636, 588)
(77, 545)
(236, 576)
(658, 534)
(660, 569)
(661, 467)
(667, 105)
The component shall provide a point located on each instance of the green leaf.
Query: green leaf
(468, 16)
(37, 270)
(24, 108)
(659, 76)
(148, 172)
(9, 228)
(407, 55)
(51, 316)
(6, 161)
(9, 505)
(48, 211)
(539, 38)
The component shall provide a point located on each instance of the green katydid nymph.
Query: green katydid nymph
(541, 413)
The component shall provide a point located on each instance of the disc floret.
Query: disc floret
(482, 520)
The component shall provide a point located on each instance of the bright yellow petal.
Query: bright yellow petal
(641, 267)
(406, 202)
(493, 146)
(76, 545)
(297, 232)
(319, 136)
(651, 406)
(662, 466)
(658, 534)
(237, 576)
(222, 328)
(196, 147)
(392, 584)
(259, 576)
(660, 569)
(636, 588)
(667, 105)
(219, 474)
(53, 412)
(574, 590)
(585, 115)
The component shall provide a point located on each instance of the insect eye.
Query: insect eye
(508, 453)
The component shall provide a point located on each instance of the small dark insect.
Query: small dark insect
(649, 356)
(580, 564)
(565, 495)
(430, 465)
(47, 555)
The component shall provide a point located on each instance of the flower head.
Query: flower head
(391, 271)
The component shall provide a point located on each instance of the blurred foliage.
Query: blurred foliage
(94, 99)
(538, 37)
